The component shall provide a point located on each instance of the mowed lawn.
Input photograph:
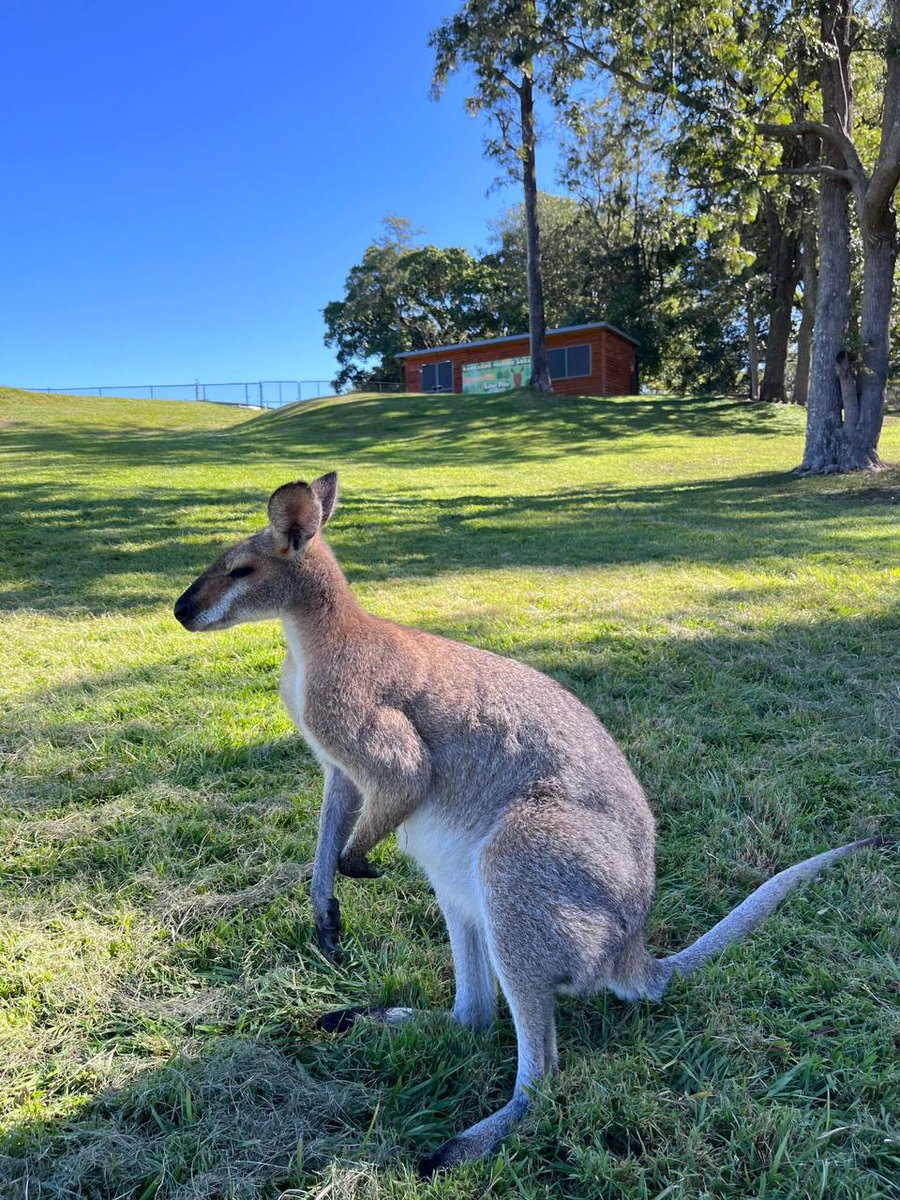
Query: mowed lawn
(738, 630)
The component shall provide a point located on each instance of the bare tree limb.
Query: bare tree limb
(815, 169)
(885, 179)
(828, 133)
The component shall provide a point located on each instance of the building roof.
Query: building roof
(516, 337)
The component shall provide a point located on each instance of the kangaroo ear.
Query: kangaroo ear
(326, 488)
(295, 513)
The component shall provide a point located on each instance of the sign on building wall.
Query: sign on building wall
(497, 376)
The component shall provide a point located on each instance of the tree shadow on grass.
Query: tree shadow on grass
(68, 555)
(411, 431)
(231, 1119)
(765, 516)
(421, 431)
(172, 787)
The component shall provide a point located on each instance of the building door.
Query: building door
(437, 377)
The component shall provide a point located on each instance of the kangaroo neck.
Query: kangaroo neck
(323, 603)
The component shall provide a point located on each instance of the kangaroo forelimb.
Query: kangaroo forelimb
(399, 766)
(341, 805)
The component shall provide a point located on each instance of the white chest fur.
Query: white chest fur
(448, 858)
(293, 691)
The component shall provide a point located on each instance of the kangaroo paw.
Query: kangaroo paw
(358, 868)
(329, 928)
(341, 1019)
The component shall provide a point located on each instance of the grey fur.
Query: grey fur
(515, 800)
(341, 806)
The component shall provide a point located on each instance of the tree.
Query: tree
(810, 276)
(848, 382)
(565, 268)
(363, 327)
(730, 69)
(691, 79)
(659, 259)
(403, 296)
(502, 40)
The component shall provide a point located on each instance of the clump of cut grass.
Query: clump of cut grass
(218, 1123)
(184, 910)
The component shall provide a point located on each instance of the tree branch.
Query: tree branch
(815, 169)
(628, 77)
(885, 179)
(828, 133)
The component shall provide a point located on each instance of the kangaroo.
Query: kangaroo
(512, 796)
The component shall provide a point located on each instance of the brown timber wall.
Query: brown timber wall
(612, 362)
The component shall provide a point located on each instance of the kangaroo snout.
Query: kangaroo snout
(184, 608)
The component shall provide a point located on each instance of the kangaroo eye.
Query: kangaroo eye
(240, 572)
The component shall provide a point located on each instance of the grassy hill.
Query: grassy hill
(737, 629)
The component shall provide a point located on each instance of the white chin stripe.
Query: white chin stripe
(221, 609)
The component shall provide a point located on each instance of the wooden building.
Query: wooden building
(585, 360)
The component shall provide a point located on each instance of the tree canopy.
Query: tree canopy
(727, 197)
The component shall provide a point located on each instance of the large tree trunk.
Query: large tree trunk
(823, 421)
(777, 341)
(824, 433)
(878, 225)
(807, 315)
(880, 249)
(852, 443)
(537, 323)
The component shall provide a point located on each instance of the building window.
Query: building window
(437, 377)
(569, 362)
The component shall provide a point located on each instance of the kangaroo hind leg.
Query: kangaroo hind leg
(533, 1017)
(556, 912)
(476, 984)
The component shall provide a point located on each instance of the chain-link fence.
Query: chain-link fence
(264, 393)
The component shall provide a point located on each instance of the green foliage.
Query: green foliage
(403, 296)
(499, 41)
(562, 262)
(642, 266)
(654, 263)
(735, 627)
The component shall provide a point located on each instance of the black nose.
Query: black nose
(184, 609)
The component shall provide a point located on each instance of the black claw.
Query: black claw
(329, 929)
(358, 868)
(340, 1020)
(454, 1150)
(446, 1155)
(429, 1165)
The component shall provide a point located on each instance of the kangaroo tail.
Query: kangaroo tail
(750, 912)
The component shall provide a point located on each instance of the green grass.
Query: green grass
(737, 628)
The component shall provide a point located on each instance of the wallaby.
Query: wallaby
(523, 812)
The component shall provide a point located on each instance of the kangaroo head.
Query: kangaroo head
(260, 577)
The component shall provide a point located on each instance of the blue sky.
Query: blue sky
(186, 185)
